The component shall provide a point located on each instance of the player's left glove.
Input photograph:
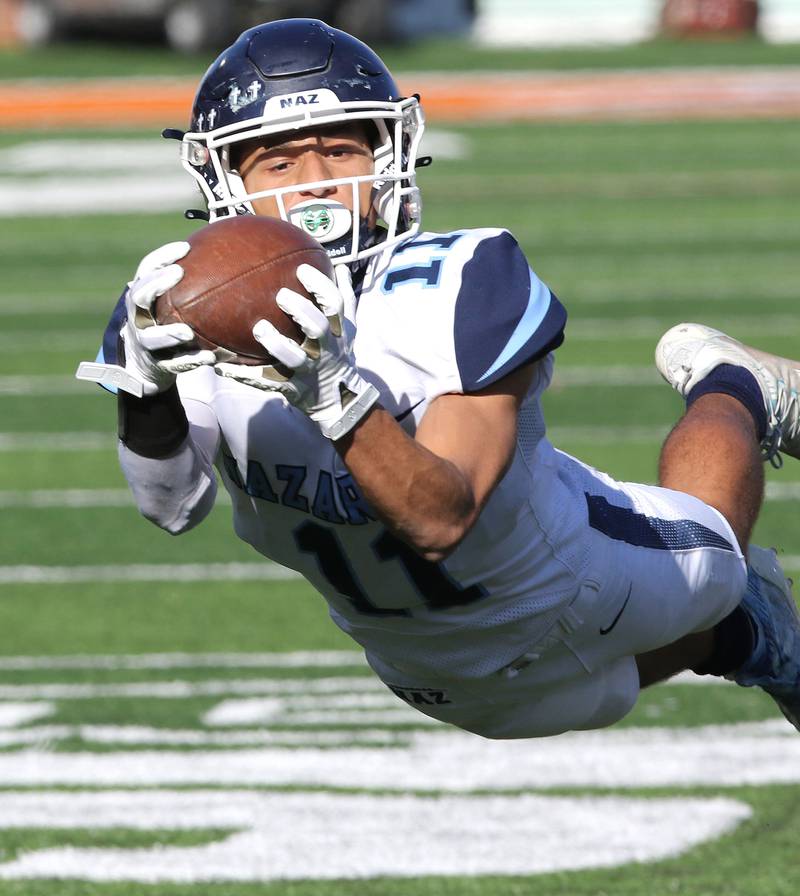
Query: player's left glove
(154, 353)
(325, 383)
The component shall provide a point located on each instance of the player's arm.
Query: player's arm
(430, 489)
(165, 456)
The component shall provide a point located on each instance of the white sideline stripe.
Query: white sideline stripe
(136, 175)
(304, 692)
(57, 441)
(44, 341)
(42, 384)
(77, 498)
(68, 497)
(298, 659)
(142, 735)
(584, 329)
(606, 434)
(594, 329)
(297, 688)
(614, 375)
(146, 572)
(121, 497)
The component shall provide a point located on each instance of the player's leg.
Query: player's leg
(741, 400)
(714, 454)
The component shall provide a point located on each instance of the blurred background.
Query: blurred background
(644, 153)
(190, 25)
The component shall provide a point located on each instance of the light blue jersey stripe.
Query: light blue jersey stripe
(538, 305)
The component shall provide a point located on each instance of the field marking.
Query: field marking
(583, 329)
(68, 498)
(147, 572)
(120, 177)
(297, 659)
(45, 341)
(608, 376)
(76, 498)
(598, 329)
(131, 735)
(361, 836)
(42, 384)
(296, 688)
(13, 714)
(595, 95)
(57, 441)
(447, 760)
(191, 572)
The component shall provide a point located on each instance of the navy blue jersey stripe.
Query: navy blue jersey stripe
(625, 524)
(110, 349)
(505, 316)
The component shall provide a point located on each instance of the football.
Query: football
(233, 271)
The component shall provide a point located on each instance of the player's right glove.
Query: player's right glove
(324, 383)
(146, 373)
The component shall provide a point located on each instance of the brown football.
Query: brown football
(232, 274)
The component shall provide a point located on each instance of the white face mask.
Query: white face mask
(348, 236)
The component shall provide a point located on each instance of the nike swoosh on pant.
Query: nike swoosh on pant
(407, 411)
(605, 631)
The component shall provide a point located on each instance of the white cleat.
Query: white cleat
(687, 353)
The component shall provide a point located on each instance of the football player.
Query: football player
(493, 581)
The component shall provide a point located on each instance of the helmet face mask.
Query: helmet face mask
(293, 78)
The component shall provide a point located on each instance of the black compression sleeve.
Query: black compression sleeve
(152, 427)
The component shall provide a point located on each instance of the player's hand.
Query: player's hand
(143, 337)
(147, 373)
(324, 382)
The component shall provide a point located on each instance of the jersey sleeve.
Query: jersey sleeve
(108, 353)
(504, 315)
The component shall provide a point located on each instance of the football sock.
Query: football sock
(734, 643)
(739, 383)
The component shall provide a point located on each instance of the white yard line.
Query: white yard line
(68, 497)
(79, 498)
(595, 329)
(57, 441)
(145, 572)
(143, 735)
(614, 375)
(42, 384)
(297, 659)
(583, 329)
(44, 341)
(298, 688)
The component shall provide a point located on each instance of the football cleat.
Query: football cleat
(775, 662)
(687, 353)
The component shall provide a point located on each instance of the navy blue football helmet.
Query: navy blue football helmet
(295, 74)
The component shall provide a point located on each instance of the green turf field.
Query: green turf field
(160, 736)
(82, 60)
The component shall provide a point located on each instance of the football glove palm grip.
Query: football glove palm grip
(325, 383)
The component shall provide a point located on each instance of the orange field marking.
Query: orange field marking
(522, 96)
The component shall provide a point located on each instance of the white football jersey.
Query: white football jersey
(443, 313)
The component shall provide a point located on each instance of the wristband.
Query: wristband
(154, 426)
(344, 422)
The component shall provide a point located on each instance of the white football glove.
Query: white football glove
(324, 383)
(144, 373)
